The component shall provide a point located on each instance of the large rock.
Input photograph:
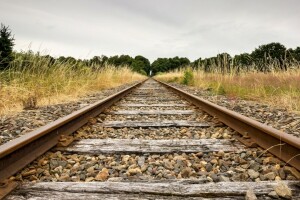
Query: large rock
(270, 176)
(292, 170)
(208, 167)
(141, 161)
(283, 190)
(168, 164)
(273, 194)
(250, 195)
(102, 175)
(185, 173)
(253, 174)
(134, 171)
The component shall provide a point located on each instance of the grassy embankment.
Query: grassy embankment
(280, 89)
(34, 83)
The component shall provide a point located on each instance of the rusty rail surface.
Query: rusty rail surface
(17, 153)
(280, 144)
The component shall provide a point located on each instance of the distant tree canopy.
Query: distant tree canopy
(272, 50)
(141, 64)
(221, 62)
(243, 59)
(6, 46)
(294, 54)
(98, 60)
(120, 60)
(267, 53)
(138, 63)
(264, 58)
(167, 64)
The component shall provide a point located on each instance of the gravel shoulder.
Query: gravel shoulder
(13, 126)
(278, 118)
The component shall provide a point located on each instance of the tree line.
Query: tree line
(268, 57)
(8, 57)
(265, 58)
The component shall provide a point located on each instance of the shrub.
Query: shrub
(188, 77)
(221, 90)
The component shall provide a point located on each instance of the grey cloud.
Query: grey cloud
(157, 28)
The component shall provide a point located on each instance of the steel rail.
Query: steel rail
(17, 153)
(279, 143)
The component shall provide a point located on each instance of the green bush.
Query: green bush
(221, 90)
(188, 77)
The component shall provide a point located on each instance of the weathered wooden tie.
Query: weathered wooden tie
(152, 112)
(151, 105)
(148, 94)
(151, 88)
(168, 189)
(98, 146)
(151, 99)
(165, 123)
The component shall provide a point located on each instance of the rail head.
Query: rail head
(279, 143)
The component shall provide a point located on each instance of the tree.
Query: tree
(294, 54)
(49, 59)
(223, 62)
(209, 64)
(6, 46)
(125, 60)
(120, 60)
(265, 54)
(141, 64)
(197, 63)
(160, 65)
(97, 61)
(71, 60)
(243, 60)
(166, 64)
(177, 62)
(104, 59)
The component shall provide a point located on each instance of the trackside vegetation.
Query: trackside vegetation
(277, 88)
(270, 73)
(33, 80)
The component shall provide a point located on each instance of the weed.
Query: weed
(188, 77)
(221, 90)
(30, 103)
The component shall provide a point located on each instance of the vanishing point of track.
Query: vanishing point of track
(150, 141)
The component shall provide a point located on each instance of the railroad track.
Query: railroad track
(151, 141)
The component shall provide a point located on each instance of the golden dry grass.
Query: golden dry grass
(56, 84)
(280, 89)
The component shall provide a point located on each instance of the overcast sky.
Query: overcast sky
(152, 28)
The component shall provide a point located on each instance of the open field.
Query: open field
(281, 89)
(36, 84)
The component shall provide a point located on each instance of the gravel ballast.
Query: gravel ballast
(13, 126)
(278, 118)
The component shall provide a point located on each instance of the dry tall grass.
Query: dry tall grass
(37, 83)
(281, 89)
